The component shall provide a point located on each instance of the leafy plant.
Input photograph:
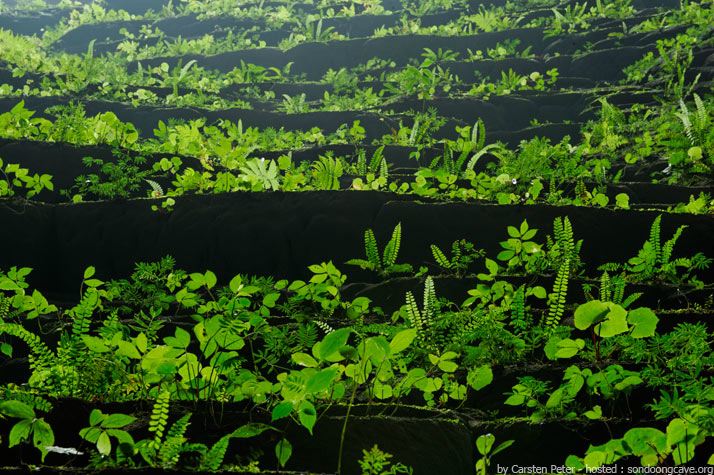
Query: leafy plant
(484, 445)
(29, 425)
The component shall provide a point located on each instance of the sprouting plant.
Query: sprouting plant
(387, 263)
(484, 445)
(376, 462)
(519, 251)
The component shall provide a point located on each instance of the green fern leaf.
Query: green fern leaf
(392, 248)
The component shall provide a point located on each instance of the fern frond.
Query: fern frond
(323, 326)
(630, 299)
(371, 249)
(429, 299)
(556, 308)
(440, 258)
(159, 418)
(519, 319)
(391, 250)
(666, 252)
(361, 166)
(41, 357)
(377, 159)
(155, 187)
(655, 237)
(214, 457)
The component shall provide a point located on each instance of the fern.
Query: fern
(556, 308)
(519, 319)
(306, 336)
(361, 165)
(170, 449)
(214, 457)
(323, 326)
(563, 246)
(387, 263)
(41, 357)
(327, 172)
(654, 239)
(422, 320)
(666, 251)
(440, 258)
(694, 130)
(377, 160)
(371, 249)
(159, 418)
(391, 250)
(32, 400)
(156, 189)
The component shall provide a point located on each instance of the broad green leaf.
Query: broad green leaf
(590, 313)
(251, 430)
(484, 443)
(303, 359)
(480, 377)
(281, 410)
(646, 440)
(307, 415)
(614, 324)
(283, 450)
(644, 322)
(333, 342)
(95, 344)
(679, 431)
(141, 342)
(88, 272)
(321, 381)
(96, 417)
(116, 421)
(104, 445)
(19, 432)
(594, 413)
(210, 279)
(402, 340)
(127, 349)
(594, 460)
(17, 409)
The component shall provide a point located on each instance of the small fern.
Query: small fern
(520, 320)
(421, 320)
(391, 250)
(387, 263)
(159, 418)
(213, 459)
(156, 190)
